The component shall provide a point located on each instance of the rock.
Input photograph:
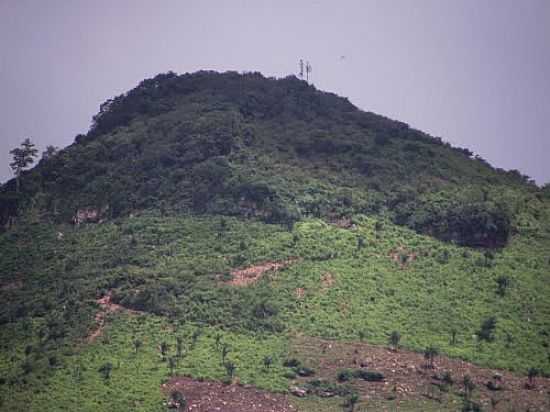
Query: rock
(89, 215)
(299, 392)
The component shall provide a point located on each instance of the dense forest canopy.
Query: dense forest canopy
(278, 149)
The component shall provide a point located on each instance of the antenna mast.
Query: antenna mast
(301, 69)
(308, 71)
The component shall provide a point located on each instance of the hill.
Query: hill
(209, 211)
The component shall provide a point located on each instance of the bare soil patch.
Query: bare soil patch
(206, 396)
(402, 257)
(251, 274)
(343, 223)
(327, 280)
(407, 376)
(106, 308)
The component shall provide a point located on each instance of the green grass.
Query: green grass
(179, 262)
(137, 377)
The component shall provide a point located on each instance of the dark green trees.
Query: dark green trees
(487, 329)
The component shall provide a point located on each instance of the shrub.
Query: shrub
(345, 375)
(291, 363)
(289, 375)
(369, 376)
(304, 371)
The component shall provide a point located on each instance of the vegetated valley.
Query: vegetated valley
(225, 241)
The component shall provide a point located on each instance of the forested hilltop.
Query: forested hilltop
(280, 149)
(226, 226)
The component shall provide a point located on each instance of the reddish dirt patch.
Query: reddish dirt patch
(327, 280)
(407, 376)
(402, 257)
(300, 293)
(209, 396)
(251, 274)
(343, 223)
(106, 307)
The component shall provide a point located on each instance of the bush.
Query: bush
(369, 376)
(345, 375)
(291, 363)
(289, 375)
(304, 371)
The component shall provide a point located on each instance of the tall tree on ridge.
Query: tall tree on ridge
(22, 157)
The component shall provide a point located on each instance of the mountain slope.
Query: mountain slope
(343, 224)
(242, 144)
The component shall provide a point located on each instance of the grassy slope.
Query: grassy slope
(424, 300)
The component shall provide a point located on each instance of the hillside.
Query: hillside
(209, 211)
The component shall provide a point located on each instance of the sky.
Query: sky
(474, 72)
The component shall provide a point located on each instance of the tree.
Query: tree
(486, 332)
(360, 242)
(105, 370)
(49, 152)
(230, 369)
(178, 400)
(179, 347)
(453, 336)
(268, 360)
(469, 386)
(218, 340)
(137, 344)
(394, 339)
(532, 373)
(172, 365)
(22, 158)
(351, 402)
(503, 282)
(430, 354)
(164, 349)
(225, 351)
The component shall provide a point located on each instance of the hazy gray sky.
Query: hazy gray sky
(475, 72)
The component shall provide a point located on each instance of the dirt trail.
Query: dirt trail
(209, 396)
(106, 307)
(251, 274)
(408, 377)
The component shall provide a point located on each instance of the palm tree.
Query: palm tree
(394, 339)
(179, 347)
(532, 373)
(178, 400)
(137, 344)
(429, 354)
(164, 349)
(469, 387)
(268, 360)
(172, 365)
(351, 402)
(230, 368)
(225, 351)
